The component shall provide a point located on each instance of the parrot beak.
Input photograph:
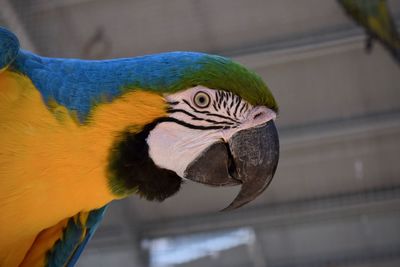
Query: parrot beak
(250, 158)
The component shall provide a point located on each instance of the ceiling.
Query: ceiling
(339, 118)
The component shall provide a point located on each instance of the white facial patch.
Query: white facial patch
(173, 146)
(198, 118)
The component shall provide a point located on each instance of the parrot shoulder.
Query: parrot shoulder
(9, 47)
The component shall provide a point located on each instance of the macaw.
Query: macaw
(374, 16)
(78, 134)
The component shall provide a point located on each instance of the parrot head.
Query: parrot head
(218, 129)
(80, 133)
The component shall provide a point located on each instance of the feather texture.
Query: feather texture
(59, 120)
(9, 48)
(79, 85)
(374, 16)
(62, 244)
(51, 167)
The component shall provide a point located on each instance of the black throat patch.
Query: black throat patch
(131, 170)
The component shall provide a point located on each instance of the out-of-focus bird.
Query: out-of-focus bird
(77, 134)
(374, 16)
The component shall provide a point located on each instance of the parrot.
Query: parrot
(78, 134)
(374, 16)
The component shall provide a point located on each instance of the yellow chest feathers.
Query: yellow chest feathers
(49, 163)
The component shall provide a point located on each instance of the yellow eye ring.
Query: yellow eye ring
(201, 99)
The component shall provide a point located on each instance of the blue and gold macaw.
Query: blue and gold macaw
(374, 16)
(77, 134)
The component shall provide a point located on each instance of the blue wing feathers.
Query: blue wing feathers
(62, 249)
(93, 221)
(76, 235)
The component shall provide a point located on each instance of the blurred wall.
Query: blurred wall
(335, 198)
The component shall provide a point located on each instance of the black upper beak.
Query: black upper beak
(249, 158)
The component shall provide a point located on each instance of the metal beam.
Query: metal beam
(300, 48)
(352, 204)
(378, 201)
(313, 44)
(300, 211)
(318, 133)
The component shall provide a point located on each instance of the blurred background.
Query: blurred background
(335, 199)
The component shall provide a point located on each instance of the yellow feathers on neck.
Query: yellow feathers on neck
(51, 165)
(132, 108)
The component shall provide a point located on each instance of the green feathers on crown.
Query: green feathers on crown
(224, 74)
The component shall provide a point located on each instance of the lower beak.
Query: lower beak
(250, 158)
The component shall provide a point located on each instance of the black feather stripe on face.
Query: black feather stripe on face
(132, 170)
(130, 167)
(226, 109)
(230, 122)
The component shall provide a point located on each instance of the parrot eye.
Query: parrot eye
(201, 99)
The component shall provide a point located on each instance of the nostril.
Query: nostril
(257, 115)
(262, 114)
